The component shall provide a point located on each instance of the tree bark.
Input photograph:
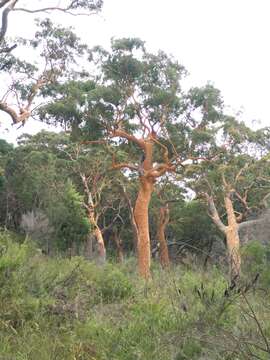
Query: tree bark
(142, 222)
(163, 247)
(101, 246)
(88, 249)
(231, 232)
(232, 239)
(99, 237)
(141, 211)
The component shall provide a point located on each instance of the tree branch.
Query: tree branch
(160, 170)
(16, 118)
(25, 111)
(123, 166)
(3, 3)
(65, 10)
(214, 213)
(249, 223)
(240, 173)
(123, 134)
(5, 13)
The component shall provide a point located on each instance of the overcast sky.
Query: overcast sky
(222, 41)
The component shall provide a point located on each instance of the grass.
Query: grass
(55, 308)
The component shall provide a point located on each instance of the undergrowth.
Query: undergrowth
(56, 308)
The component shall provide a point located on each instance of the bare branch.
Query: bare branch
(5, 13)
(213, 213)
(48, 9)
(240, 173)
(249, 223)
(3, 3)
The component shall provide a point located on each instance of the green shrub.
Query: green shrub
(111, 284)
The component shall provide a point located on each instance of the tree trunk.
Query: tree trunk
(101, 246)
(163, 247)
(233, 241)
(142, 222)
(99, 237)
(119, 247)
(88, 249)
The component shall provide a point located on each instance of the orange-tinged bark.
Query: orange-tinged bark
(142, 221)
(163, 247)
(148, 175)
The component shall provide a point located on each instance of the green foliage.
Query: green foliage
(60, 308)
(256, 259)
(112, 285)
(67, 215)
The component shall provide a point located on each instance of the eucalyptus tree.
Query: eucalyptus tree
(56, 51)
(5, 151)
(127, 106)
(135, 107)
(234, 181)
(88, 168)
(165, 209)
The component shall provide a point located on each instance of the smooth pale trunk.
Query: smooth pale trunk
(233, 241)
(101, 246)
(88, 250)
(99, 238)
(163, 247)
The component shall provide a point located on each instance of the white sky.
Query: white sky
(224, 41)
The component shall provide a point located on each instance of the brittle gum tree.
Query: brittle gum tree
(87, 166)
(235, 182)
(45, 59)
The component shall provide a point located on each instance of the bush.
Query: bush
(112, 284)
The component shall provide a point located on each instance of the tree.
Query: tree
(5, 151)
(55, 50)
(88, 169)
(36, 183)
(168, 196)
(235, 181)
(131, 107)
